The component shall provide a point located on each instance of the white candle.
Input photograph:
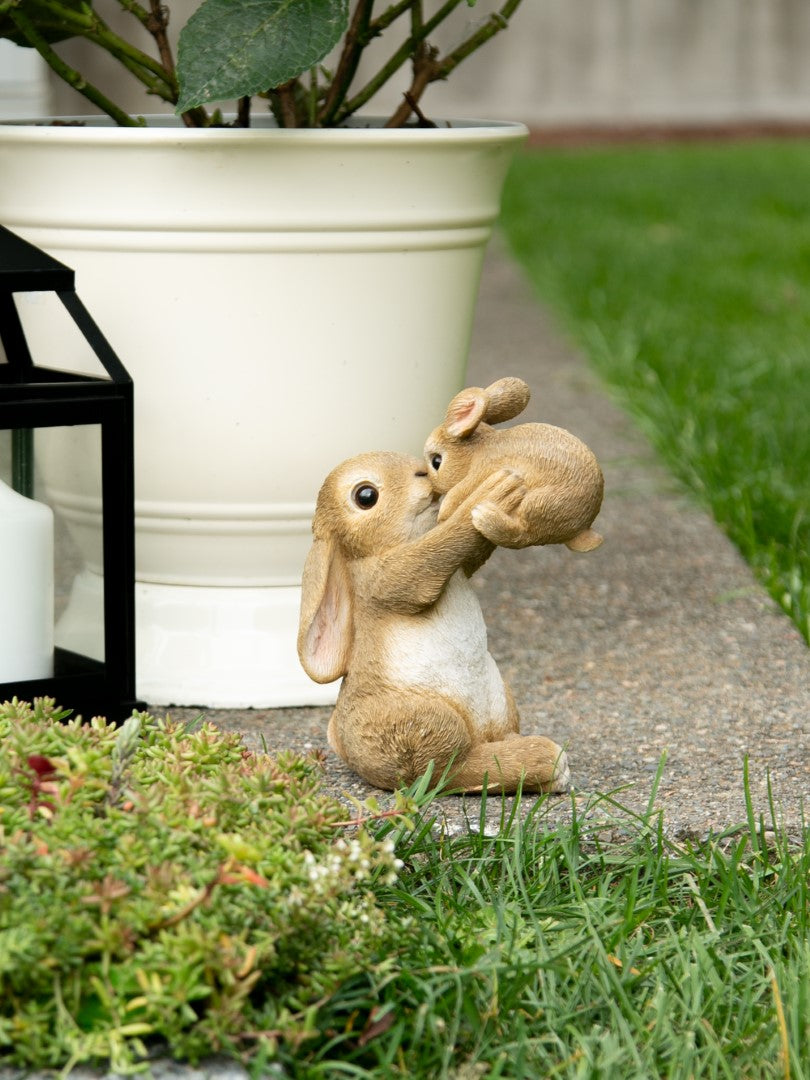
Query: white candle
(26, 588)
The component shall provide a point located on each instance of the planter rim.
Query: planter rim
(165, 128)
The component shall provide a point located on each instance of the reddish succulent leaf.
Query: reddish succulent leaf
(42, 766)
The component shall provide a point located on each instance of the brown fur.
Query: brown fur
(564, 481)
(387, 605)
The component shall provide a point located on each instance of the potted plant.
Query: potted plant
(288, 286)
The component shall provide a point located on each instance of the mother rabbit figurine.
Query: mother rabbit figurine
(563, 479)
(387, 604)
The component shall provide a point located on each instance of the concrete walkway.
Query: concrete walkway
(658, 642)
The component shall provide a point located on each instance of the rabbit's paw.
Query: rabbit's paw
(503, 489)
(498, 527)
(546, 765)
(561, 781)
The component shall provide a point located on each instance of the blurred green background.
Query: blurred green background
(683, 271)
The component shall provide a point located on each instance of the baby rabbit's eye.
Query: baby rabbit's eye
(365, 496)
(436, 461)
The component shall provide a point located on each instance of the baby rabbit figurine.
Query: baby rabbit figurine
(387, 604)
(564, 481)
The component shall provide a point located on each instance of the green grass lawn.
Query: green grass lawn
(684, 273)
(583, 951)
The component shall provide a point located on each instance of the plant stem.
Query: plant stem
(242, 112)
(89, 25)
(136, 9)
(286, 112)
(428, 69)
(96, 30)
(423, 63)
(69, 74)
(396, 61)
(312, 98)
(357, 37)
(417, 17)
(157, 76)
(390, 15)
(497, 21)
(157, 22)
(156, 25)
(410, 104)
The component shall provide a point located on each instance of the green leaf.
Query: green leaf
(235, 48)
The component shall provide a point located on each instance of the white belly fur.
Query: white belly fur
(445, 650)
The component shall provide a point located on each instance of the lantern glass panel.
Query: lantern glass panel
(66, 478)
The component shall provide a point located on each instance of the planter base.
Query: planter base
(221, 648)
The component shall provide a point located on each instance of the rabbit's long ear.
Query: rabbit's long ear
(325, 627)
(505, 399)
(465, 412)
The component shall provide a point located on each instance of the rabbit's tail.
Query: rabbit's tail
(529, 762)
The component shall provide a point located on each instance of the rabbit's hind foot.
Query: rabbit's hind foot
(531, 763)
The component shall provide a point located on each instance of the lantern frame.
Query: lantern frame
(33, 396)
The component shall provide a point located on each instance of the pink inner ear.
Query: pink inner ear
(464, 414)
(322, 643)
(328, 637)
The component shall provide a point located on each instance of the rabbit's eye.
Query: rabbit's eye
(365, 496)
(436, 461)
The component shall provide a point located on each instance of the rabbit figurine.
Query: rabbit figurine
(564, 481)
(387, 604)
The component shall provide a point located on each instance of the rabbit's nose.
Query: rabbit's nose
(422, 472)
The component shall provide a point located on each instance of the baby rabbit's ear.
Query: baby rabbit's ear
(325, 627)
(465, 412)
(501, 401)
(505, 399)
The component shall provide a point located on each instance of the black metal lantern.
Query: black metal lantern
(50, 403)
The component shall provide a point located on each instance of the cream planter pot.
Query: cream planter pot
(283, 300)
